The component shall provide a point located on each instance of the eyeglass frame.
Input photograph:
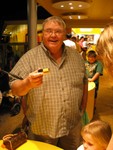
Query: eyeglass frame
(56, 32)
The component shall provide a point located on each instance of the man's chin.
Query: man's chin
(53, 45)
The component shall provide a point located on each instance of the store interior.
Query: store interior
(90, 25)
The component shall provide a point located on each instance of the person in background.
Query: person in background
(69, 42)
(80, 42)
(94, 69)
(78, 48)
(83, 44)
(77, 38)
(96, 135)
(104, 49)
(84, 48)
(55, 100)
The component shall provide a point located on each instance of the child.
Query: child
(96, 136)
(94, 69)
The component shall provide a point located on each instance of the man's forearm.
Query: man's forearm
(20, 87)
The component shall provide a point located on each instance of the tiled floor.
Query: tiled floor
(9, 123)
(104, 109)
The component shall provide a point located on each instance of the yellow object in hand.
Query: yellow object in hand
(44, 70)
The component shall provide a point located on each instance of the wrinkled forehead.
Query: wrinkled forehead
(57, 22)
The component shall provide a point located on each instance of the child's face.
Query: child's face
(91, 60)
(90, 144)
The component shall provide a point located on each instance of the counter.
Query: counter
(33, 145)
(90, 102)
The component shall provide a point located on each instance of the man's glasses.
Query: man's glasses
(50, 32)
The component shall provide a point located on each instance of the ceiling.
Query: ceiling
(14, 12)
(98, 14)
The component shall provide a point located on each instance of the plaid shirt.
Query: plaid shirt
(53, 108)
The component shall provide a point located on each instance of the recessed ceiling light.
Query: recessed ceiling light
(70, 3)
(74, 16)
(62, 6)
(82, 4)
(70, 17)
(71, 7)
(79, 17)
(111, 17)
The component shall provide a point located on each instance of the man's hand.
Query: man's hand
(34, 79)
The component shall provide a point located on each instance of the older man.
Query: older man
(55, 99)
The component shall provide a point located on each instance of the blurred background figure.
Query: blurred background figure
(80, 42)
(84, 48)
(77, 38)
(83, 44)
(78, 48)
(69, 42)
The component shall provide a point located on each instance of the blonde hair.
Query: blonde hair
(57, 19)
(104, 46)
(99, 130)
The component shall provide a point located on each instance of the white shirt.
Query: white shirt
(84, 43)
(80, 147)
(70, 43)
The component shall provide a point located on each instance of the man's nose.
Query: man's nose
(53, 33)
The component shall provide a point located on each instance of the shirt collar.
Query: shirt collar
(48, 52)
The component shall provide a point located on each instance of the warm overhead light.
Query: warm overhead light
(77, 4)
(80, 6)
(62, 6)
(71, 7)
(70, 3)
(111, 17)
(73, 15)
(79, 17)
(70, 17)
(86, 29)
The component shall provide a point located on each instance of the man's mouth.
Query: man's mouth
(53, 41)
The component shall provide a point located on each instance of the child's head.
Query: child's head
(91, 56)
(96, 135)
